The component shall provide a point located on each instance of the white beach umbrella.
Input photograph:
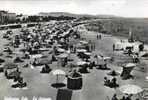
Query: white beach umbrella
(81, 50)
(130, 65)
(84, 42)
(130, 89)
(58, 72)
(61, 50)
(36, 56)
(63, 55)
(81, 63)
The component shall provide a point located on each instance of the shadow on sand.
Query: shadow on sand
(58, 85)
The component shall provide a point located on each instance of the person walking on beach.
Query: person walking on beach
(113, 47)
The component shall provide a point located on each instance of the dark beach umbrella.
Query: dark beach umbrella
(113, 73)
(45, 61)
(2, 61)
(145, 55)
(18, 60)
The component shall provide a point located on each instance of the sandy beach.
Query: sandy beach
(39, 85)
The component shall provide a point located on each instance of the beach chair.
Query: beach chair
(126, 73)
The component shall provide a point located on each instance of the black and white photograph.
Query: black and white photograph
(73, 50)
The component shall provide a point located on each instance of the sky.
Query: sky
(125, 8)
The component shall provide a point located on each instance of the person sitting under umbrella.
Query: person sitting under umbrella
(114, 97)
(75, 73)
(114, 82)
(35, 62)
(106, 81)
(46, 69)
(128, 97)
(26, 56)
(20, 83)
(123, 98)
(84, 69)
(18, 59)
(53, 58)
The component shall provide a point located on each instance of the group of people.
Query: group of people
(111, 83)
(127, 97)
(16, 78)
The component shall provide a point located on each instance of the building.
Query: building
(6, 17)
(3, 17)
(22, 18)
(11, 17)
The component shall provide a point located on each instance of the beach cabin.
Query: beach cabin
(125, 45)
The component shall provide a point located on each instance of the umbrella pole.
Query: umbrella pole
(57, 79)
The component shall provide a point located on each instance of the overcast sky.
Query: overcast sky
(126, 8)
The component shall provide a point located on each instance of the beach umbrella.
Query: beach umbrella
(145, 54)
(2, 60)
(48, 40)
(43, 49)
(58, 45)
(58, 72)
(64, 55)
(45, 61)
(81, 63)
(107, 58)
(36, 56)
(61, 50)
(130, 65)
(87, 53)
(130, 89)
(81, 50)
(10, 65)
(113, 73)
(84, 42)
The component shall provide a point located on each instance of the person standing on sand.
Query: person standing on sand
(100, 36)
(93, 44)
(113, 47)
(141, 47)
(97, 36)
